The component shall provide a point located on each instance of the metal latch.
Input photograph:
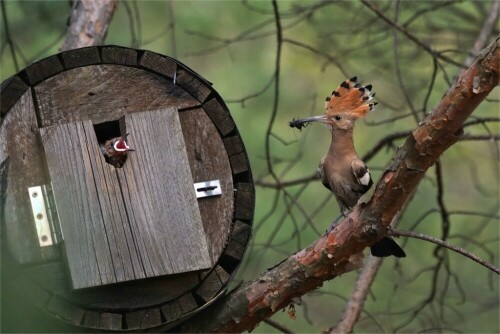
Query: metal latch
(207, 188)
(44, 215)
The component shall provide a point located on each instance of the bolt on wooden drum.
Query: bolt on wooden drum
(141, 244)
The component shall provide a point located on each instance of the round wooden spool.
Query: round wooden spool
(122, 249)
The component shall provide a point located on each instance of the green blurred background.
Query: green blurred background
(233, 44)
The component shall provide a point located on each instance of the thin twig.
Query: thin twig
(416, 235)
(485, 33)
(279, 43)
(410, 36)
(284, 184)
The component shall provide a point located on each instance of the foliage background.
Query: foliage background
(233, 44)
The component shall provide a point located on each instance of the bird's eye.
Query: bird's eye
(338, 118)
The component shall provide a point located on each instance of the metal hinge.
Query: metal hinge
(44, 215)
(207, 188)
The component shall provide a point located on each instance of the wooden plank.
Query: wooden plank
(91, 319)
(244, 201)
(219, 116)
(80, 57)
(158, 63)
(73, 179)
(159, 197)
(233, 145)
(239, 163)
(11, 91)
(187, 303)
(135, 294)
(213, 283)
(110, 321)
(127, 264)
(198, 88)
(143, 319)
(172, 310)
(119, 55)
(208, 161)
(239, 239)
(19, 142)
(43, 69)
(105, 92)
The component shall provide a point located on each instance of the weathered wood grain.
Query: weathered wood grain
(88, 248)
(209, 161)
(233, 145)
(159, 197)
(187, 303)
(20, 144)
(137, 294)
(91, 319)
(11, 91)
(239, 163)
(172, 310)
(219, 116)
(68, 90)
(134, 226)
(110, 321)
(143, 319)
(194, 85)
(244, 201)
(214, 282)
(106, 92)
(158, 63)
(239, 240)
(80, 57)
(102, 320)
(43, 69)
(119, 55)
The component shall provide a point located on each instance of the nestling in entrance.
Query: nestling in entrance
(341, 170)
(115, 150)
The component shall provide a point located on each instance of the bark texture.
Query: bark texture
(338, 251)
(88, 23)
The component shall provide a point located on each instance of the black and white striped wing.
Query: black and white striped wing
(362, 175)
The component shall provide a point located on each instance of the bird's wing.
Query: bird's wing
(322, 176)
(362, 174)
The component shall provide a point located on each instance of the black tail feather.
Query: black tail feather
(386, 247)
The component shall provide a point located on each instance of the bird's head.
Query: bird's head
(348, 103)
(120, 145)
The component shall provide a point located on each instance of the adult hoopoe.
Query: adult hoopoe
(341, 170)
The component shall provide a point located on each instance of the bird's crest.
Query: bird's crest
(351, 98)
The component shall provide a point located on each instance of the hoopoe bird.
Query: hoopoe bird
(341, 170)
(115, 150)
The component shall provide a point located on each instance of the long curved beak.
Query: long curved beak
(321, 119)
(303, 122)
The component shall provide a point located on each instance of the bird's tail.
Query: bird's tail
(352, 97)
(387, 246)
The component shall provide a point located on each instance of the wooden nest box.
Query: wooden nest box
(141, 246)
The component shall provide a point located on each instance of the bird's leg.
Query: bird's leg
(346, 212)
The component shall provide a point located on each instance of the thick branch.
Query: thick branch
(338, 251)
(88, 23)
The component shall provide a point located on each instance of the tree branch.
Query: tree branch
(416, 235)
(88, 23)
(338, 251)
